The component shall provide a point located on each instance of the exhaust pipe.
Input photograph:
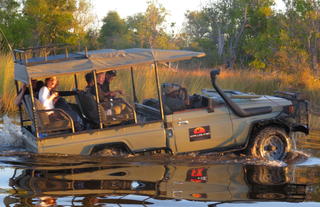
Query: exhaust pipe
(232, 105)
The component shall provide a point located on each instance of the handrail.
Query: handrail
(62, 112)
(40, 55)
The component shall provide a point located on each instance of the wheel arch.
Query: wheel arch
(269, 140)
(121, 145)
(259, 125)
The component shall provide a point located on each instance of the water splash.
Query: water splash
(312, 161)
(10, 133)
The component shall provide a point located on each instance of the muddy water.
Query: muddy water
(191, 180)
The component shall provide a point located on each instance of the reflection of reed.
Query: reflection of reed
(311, 141)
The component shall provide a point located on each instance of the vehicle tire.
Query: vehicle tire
(270, 143)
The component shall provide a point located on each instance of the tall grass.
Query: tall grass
(194, 81)
(7, 87)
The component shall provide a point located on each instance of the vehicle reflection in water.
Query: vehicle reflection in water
(91, 184)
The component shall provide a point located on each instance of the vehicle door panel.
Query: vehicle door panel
(199, 129)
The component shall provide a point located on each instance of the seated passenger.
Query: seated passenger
(36, 85)
(106, 84)
(112, 107)
(175, 97)
(90, 82)
(91, 88)
(47, 96)
(103, 81)
(50, 100)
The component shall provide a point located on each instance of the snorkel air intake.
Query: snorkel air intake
(232, 105)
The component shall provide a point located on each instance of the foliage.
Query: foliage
(62, 21)
(42, 22)
(14, 28)
(148, 29)
(114, 32)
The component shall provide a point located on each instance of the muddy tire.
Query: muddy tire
(270, 143)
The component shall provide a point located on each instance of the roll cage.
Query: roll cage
(55, 60)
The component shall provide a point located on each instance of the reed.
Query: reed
(144, 78)
(7, 88)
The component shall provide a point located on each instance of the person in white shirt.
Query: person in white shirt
(50, 100)
(46, 97)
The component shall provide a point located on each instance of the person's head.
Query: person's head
(51, 82)
(101, 78)
(110, 75)
(89, 79)
(33, 83)
(39, 84)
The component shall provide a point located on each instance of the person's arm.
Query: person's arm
(114, 93)
(19, 97)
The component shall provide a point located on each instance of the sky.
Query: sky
(175, 8)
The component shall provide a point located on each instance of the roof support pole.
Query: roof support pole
(20, 110)
(159, 90)
(76, 81)
(97, 97)
(135, 99)
(33, 109)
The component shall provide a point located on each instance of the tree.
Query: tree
(229, 26)
(56, 21)
(114, 32)
(148, 28)
(198, 25)
(14, 27)
(303, 25)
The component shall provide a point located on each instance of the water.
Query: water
(159, 180)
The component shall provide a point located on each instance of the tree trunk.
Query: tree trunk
(220, 42)
(314, 54)
(233, 47)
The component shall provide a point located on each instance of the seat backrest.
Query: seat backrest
(26, 101)
(175, 97)
(42, 118)
(88, 105)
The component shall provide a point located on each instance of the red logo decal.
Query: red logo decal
(199, 130)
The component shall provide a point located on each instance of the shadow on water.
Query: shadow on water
(159, 180)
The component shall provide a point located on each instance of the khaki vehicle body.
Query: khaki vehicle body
(221, 121)
(83, 143)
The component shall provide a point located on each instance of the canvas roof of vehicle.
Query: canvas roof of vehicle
(101, 60)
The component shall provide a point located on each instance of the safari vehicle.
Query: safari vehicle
(217, 120)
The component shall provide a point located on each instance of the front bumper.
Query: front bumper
(299, 118)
